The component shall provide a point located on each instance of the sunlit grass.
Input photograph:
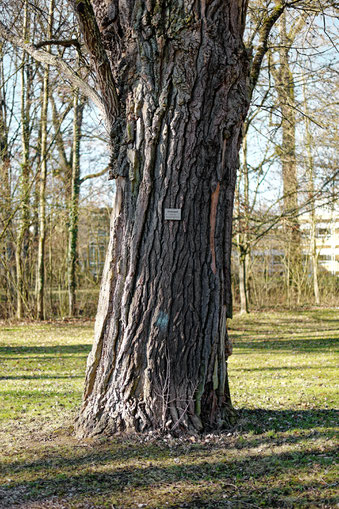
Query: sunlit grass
(286, 361)
(283, 378)
(42, 370)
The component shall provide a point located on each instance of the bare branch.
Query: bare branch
(92, 37)
(58, 63)
(65, 43)
(94, 175)
(264, 33)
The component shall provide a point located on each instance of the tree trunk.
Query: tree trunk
(309, 142)
(74, 205)
(243, 223)
(243, 283)
(22, 238)
(43, 179)
(161, 345)
(314, 256)
(287, 152)
(7, 251)
(42, 202)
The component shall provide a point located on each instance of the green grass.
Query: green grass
(42, 370)
(282, 453)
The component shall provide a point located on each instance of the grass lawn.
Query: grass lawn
(282, 453)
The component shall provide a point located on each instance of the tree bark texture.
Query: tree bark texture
(161, 345)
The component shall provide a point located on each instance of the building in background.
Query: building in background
(269, 256)
(326, 235)
(94, 226)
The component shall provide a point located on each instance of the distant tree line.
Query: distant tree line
(289, 167)
(46, 130)
(46, 139)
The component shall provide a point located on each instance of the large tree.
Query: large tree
(175, 82)
(173, 78)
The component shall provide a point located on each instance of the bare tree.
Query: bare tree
(174, 81)
(43, 178)
(23, 229)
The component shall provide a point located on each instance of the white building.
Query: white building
(327, 236)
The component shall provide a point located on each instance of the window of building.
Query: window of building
(278, 259)
(323, 232)
(324, 258)
(101, 254)
(92, 254)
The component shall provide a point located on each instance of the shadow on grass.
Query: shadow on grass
(46, 359)
(283, 368)
(202, 473)
(263, 421)
(297, 345)
(324, 318)
(36, 396)
(40, 377)
(5, 351)
(201, 479)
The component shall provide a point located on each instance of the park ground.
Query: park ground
(282, 452)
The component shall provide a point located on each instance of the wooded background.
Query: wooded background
(55, 197)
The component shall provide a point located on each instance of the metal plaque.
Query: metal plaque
(173, 214)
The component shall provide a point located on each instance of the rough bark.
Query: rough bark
(161, 345)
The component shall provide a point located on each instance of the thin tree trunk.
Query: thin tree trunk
(311, 193)
(161, 343)
(287, 152)
(314, 255)
(22, 232)
(243, 283)
(5, 192)
(243, 244)
(43, 179)
(71, 169)
(74, 205)
(42, 202)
